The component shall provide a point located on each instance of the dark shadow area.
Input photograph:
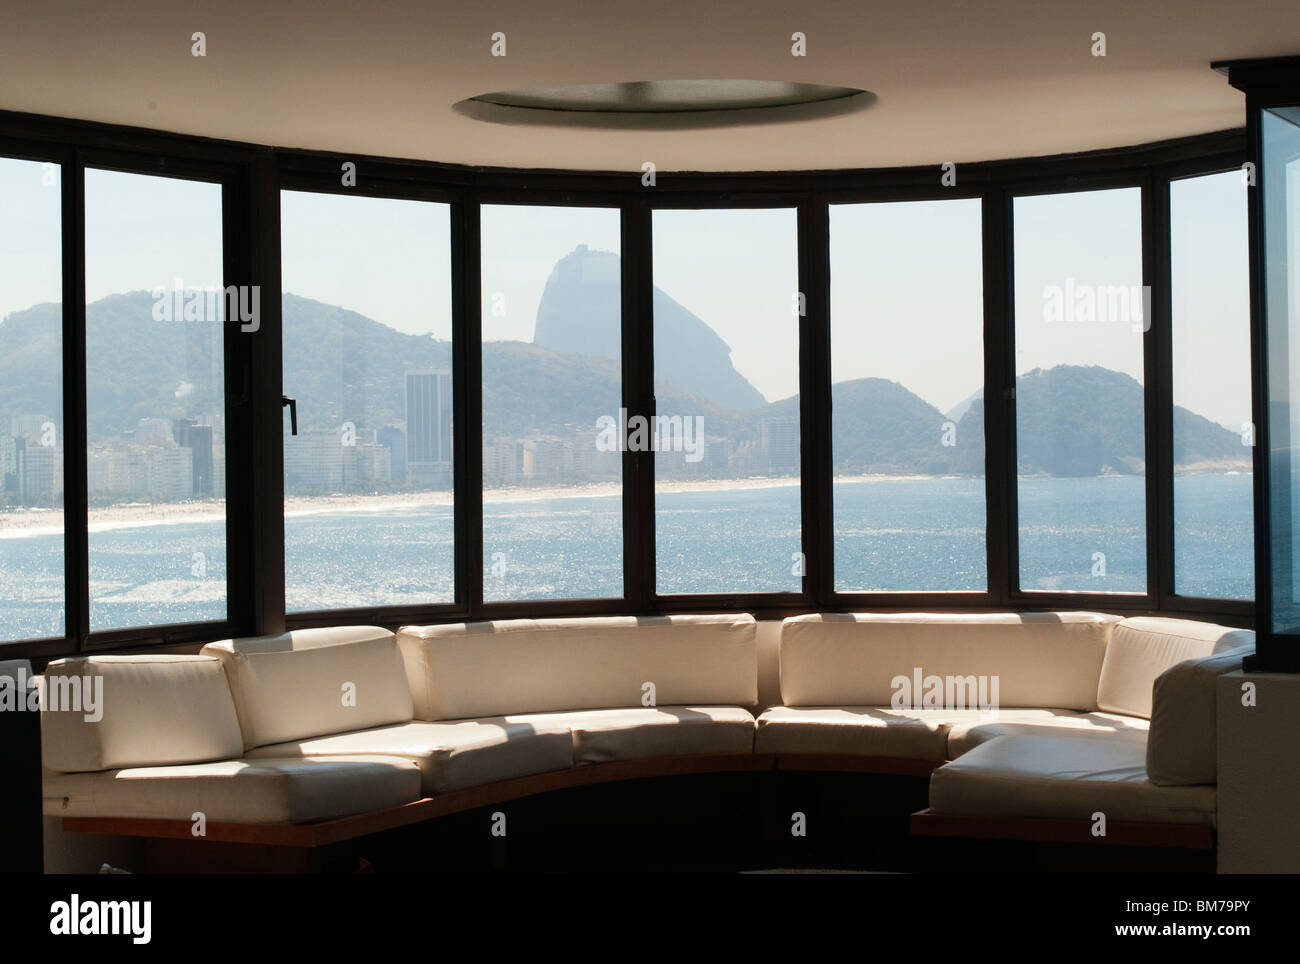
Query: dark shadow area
(727, 824)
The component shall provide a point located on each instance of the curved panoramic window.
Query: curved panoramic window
(764, 387)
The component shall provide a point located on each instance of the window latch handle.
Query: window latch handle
(293, 412)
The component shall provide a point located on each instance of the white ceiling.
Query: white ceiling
(957, 80)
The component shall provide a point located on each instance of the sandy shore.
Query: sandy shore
(135, 515)
(33, 522)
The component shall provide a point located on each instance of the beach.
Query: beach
(32, 522)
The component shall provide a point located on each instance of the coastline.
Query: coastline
(34, 522)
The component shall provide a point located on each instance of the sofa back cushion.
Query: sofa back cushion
(853, 659)
(313, 682)
(1143, 647)
(466, 670)
(108, 712)
(1182, 743)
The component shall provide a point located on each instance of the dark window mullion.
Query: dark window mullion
(263, 354)
(637, 361)
(1000, 493)
(467, 390)
(76, 563)
(1158, 362)
(815, 398)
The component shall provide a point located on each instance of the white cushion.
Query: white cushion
(238, 791)
(156, 710)
(600, 736)
(1143, 647)
(451, 756)
(863, 730)
(292, 686)
(470, 670)
(965, 736)
(1183, 746)
(1064, 776)
(852, 659)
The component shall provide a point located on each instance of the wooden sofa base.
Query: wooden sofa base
(347, 828)
(170, 847)
(927, 823)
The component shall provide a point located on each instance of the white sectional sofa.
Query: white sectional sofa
(1093, 713)
(324, 723)
(1030, 715)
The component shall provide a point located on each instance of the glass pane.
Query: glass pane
(726, 439)
(155, 400)
(1214, 535)
(1281, 215)
(907, 368)
(1080, 312)
(368, 510)
(552, 394)
(31, 401)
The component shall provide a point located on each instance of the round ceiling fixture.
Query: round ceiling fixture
(658, 103)
(669, 96)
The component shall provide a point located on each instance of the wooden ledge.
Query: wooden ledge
(377, 821)
(1193, 836)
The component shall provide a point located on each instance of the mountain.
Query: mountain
(880, 427)
(958, 411)
(135, 367)
(342, 366)
(579, 315)
(1075, 420)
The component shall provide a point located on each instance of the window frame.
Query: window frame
(252, 178)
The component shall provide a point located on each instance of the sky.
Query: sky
(906, 299)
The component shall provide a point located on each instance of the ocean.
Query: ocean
(890, 535)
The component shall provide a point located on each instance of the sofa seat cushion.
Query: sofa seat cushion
(1065, 777)
(600, 736)
(966, 735)
(238, 791)
(451, 756)
(860, 730)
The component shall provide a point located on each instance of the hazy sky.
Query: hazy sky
(521, 244)
(148, 232)
(387, 259)
(906, 278)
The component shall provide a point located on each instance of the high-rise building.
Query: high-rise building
(36, 474)
(428, 427)
(199, 442)
(394, 439)
(779, 439)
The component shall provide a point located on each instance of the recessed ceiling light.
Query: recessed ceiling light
(669, 96)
